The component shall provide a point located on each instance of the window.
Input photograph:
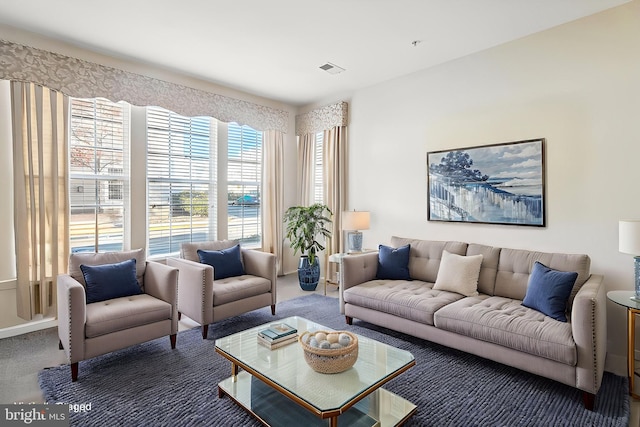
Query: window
(318, 175)
(244, 184)
(98, 174)
(115, 187)
(180, 175)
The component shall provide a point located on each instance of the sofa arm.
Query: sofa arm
(357, 269)
(589, 327)
(261, 264)
(195, 289)
(72, 316)
(161, 281)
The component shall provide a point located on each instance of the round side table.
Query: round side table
(623, 298)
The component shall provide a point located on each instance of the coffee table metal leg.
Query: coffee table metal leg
(234, 372)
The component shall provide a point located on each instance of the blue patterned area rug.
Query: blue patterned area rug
(152, 385)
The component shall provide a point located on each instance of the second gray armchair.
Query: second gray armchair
(243, 280)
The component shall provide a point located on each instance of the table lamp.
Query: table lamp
(353, 222)
(629, 243)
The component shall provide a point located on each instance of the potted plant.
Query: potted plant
(304, 225)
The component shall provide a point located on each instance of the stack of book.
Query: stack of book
(277, 335)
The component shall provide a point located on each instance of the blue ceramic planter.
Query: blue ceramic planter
(308, 274)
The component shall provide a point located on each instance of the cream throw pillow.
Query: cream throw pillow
(459, 274)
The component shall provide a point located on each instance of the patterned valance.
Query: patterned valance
(322, 118)
(83, 79)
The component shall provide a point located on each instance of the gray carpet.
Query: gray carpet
(151, 385)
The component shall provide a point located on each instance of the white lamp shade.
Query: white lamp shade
(629, 237)
(355, 220)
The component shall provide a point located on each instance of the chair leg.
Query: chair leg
(74, 372)
(273, 309)
(205, 331)
(172, 338)
(589, 400)
(60, 347)
(179, 316)
(349, 320)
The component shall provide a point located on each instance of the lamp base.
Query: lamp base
(354, 238)
(636, 297)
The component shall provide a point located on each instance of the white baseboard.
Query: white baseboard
(24, 328)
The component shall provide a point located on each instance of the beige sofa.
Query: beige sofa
(494, 324)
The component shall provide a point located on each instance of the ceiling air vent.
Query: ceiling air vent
(331, 68)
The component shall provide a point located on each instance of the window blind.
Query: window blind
(318, 173)
(98, 174)
(244, 178)
(179, 174)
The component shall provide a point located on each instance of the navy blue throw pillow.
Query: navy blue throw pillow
(548, 291)
(225, 263)
(393, 263)
(108, 281)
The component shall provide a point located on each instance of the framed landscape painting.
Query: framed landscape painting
(493, 184)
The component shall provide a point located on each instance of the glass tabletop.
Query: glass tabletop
(624, 298)
(286, 366)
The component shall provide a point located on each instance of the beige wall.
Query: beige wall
(577, 85)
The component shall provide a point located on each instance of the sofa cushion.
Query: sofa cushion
(425, 256)
(123, 313)
(459, 274)
(489, 267)
(108, 281)
(414, 300)
(515, 267)
(225, 262)
(239, 287)
(91, 258)
(507, 322)
(548, 291)
(190, 250)
(393, 263)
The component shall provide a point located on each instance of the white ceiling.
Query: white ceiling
(274, 48)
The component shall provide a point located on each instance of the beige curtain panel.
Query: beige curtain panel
(306, 165)
(273, 196)
(40, 195)
(335, 180)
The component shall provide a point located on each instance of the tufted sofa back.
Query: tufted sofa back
(425, 256)
(504, 272)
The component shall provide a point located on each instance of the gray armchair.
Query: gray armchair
(206, 300)
(89, 329)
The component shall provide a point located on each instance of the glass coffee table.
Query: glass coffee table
(279, 388)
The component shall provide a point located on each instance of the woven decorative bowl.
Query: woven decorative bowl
(330, 360)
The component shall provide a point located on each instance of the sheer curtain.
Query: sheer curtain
(40, 195)
(273, 196)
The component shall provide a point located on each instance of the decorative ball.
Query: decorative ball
(324, 344)
(335, 345)
(321, 336)
(332, 338)
(344, 340)
(313, 342)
